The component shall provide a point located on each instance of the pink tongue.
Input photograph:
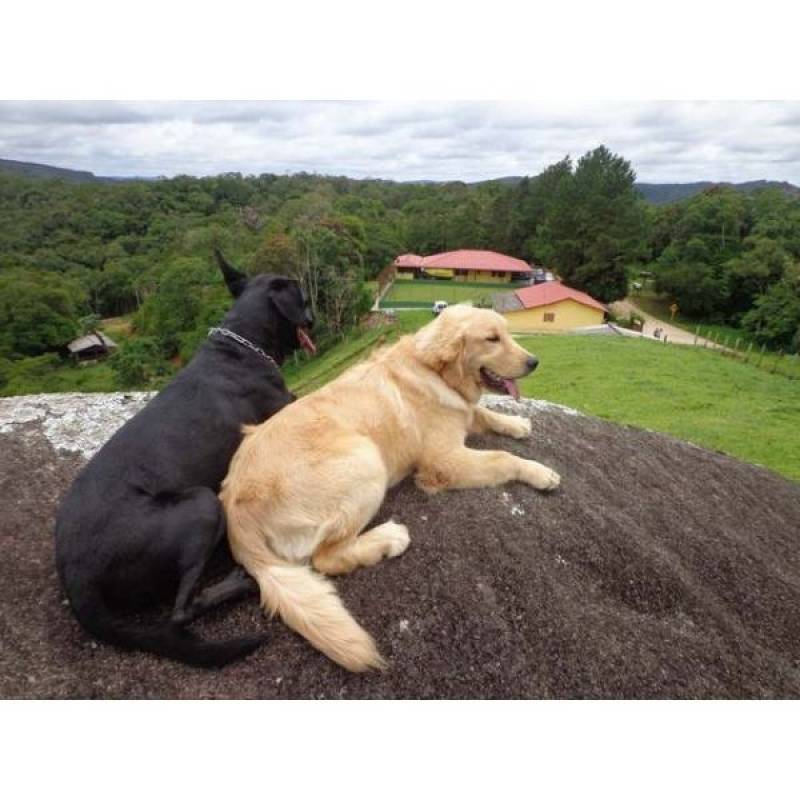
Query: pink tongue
(511, 387)
(305, 341)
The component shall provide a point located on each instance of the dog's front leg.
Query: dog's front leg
(484, 420)
(472, 469)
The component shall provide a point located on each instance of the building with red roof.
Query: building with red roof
(549, 306)
(464, 265)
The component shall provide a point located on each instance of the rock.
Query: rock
(658, 569)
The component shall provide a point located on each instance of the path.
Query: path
(674, 334)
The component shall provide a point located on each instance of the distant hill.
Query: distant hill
(656, 193)
(28, 169)
(660, 193)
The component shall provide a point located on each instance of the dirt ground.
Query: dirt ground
(657, 570)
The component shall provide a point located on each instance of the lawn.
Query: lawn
(691, 393)
(428, 292)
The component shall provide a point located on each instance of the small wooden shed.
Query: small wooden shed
(92, 346)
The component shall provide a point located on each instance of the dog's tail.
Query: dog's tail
(164, 639)
(308, 603)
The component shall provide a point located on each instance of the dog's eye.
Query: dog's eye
(492, 338)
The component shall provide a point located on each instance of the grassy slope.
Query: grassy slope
(311, 374)
(690, 393)
(97, 377)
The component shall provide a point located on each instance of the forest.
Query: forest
(74, 254)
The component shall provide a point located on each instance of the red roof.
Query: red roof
(544, 294)
(475, 260)
(408, 260)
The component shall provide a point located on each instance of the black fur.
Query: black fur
(142, 520)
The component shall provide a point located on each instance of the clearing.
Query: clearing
(425, 293)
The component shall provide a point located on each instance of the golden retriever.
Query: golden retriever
(305, 483)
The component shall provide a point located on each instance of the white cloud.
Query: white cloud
(668, 141)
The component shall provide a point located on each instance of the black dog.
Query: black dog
(142, 520)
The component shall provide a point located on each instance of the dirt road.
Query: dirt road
(674, 335)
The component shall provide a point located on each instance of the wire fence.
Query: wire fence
(776, 362)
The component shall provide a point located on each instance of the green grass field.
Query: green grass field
(691, 393)
(428, 292)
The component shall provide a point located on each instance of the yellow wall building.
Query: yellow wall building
(473, 266)
(549, 307)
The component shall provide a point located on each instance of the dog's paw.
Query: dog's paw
(518, 427)
(396, 538)
(542, 478)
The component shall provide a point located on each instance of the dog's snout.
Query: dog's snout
(532, 363)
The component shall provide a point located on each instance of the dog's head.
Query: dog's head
(275, 306)
(473, 352)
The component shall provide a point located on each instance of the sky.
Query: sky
(470, 141)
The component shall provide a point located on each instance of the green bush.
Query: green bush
(139, 364)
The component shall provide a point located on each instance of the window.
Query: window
(549, 316)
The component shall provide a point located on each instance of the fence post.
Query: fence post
(696, 334)
(747, 354)
(761, 356)
(777, 360)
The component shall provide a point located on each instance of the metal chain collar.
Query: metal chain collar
(244, 342)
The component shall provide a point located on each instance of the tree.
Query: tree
(139, 363)
(762, 264)
(775, 316)
(172, 309)
(700, 289)
(593, 225)
(278, 254)
(39, 312)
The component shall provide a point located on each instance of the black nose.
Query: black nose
(532, 362)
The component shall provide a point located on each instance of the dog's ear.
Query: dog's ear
(287, 298)
(235, 281)
(441, 343)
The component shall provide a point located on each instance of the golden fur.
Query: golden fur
(304, 484)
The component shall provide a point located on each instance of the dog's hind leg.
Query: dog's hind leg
(383, 541)
(197, 527)
(235, 586)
